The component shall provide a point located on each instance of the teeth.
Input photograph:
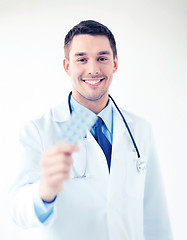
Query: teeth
(93, 81)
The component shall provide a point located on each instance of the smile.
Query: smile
(93, 82)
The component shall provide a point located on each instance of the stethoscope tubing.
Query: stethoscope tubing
(125, 122)
(128, 129)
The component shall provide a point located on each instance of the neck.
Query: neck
(95, 106)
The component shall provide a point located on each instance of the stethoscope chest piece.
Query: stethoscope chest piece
(141, 165)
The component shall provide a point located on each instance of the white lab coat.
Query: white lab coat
(122, 205)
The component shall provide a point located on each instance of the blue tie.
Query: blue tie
(103, 141)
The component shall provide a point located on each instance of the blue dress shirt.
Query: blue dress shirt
(42, 209)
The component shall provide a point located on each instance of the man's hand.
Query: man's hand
(55, 167)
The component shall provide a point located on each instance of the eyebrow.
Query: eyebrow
(80, 54)
(104, 53)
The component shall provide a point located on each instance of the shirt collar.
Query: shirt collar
(106, 114)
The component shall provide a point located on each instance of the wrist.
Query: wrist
(47, 195)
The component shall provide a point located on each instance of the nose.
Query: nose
(93, 68)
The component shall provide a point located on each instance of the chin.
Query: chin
(96, 97)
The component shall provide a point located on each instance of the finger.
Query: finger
(57, 179)
(56, 159)
(55, 169)
(62, 148)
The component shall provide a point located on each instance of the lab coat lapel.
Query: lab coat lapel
(121, 148)
(61, 112)
(96, 158)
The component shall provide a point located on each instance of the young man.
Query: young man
(111, 196)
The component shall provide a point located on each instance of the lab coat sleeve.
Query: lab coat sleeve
(21, 197)
(156, 217)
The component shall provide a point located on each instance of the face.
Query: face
(91, 67)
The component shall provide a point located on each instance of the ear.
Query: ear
(115, 64)
(66, 66)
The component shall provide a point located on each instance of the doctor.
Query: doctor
(113, 199)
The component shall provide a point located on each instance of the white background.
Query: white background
(151, 81)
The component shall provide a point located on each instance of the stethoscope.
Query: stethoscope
(140, 163)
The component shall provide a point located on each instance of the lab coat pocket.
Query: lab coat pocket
(135, 177)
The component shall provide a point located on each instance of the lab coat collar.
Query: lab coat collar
(61, 113)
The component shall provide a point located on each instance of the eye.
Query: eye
(102, 59)
(82, 60)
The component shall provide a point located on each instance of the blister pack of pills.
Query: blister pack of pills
(75, 129)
